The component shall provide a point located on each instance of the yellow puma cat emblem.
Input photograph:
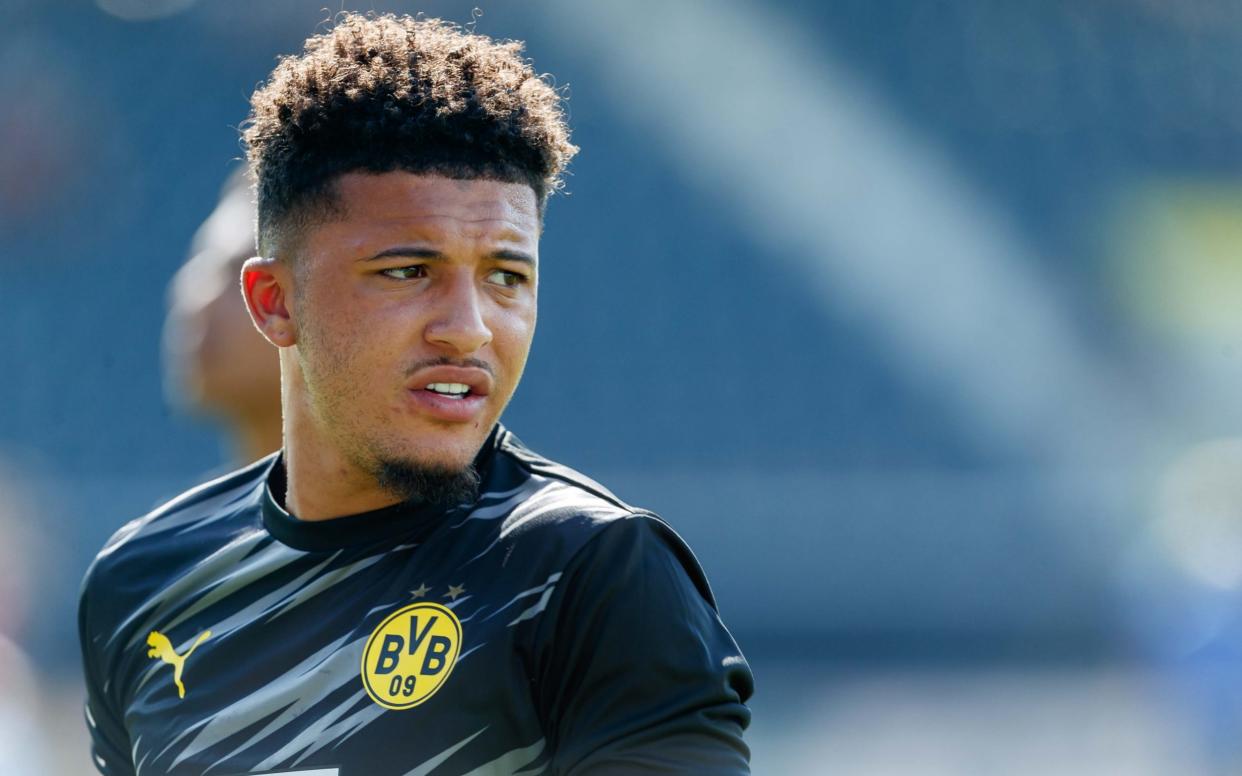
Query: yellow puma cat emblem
(162, 648)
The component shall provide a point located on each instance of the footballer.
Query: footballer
(404, 589)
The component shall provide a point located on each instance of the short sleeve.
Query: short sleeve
(640, 675)
(109, 740)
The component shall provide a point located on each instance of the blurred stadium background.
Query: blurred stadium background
(922, 321)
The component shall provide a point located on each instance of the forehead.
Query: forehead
(405, 205)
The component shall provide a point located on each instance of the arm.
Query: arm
(641, 676)
(109, 739)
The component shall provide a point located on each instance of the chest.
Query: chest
(360, 669)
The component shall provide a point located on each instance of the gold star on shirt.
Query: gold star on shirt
(420, 591)
(456, 590)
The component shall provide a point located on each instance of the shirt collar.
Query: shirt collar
(404, 522)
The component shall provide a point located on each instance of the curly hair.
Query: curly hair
(384, 93)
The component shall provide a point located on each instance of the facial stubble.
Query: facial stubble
(326, 376)
(437, 486)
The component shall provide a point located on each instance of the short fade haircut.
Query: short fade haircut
(380, 93)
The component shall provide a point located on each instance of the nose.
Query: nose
(458, 323)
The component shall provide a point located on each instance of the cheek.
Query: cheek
(512, 334)
(345, 339)
(322, 337)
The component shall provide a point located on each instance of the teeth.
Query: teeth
(450, 389)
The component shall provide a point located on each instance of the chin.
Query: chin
(450, 455)
(447, 460)
(455, 441)
(444, 483)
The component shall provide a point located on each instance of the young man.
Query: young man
(404, 588)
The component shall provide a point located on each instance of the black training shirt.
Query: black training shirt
(548, 628)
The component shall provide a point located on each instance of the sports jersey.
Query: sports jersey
(546, 628)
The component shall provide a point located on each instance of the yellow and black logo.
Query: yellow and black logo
(410, 655)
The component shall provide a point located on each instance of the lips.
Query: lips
(446, 409)
(479, 381)
(456, 408)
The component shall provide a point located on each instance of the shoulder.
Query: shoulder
(530, 495)
(133, 574)
(166, 527)
(578, 519)
(548, 476)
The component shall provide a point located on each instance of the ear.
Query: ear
(266, 283)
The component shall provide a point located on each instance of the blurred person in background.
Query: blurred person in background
(215, 362)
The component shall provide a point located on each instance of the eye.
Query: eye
(505, 277)
(412, 272)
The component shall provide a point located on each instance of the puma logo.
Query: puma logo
(162, 648)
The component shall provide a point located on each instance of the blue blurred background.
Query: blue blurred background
(921, 321)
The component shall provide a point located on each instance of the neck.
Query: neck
(320, 482)
(320, 486)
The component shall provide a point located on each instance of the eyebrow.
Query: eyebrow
(504, 254)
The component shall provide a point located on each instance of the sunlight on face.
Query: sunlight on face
(415, 310)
